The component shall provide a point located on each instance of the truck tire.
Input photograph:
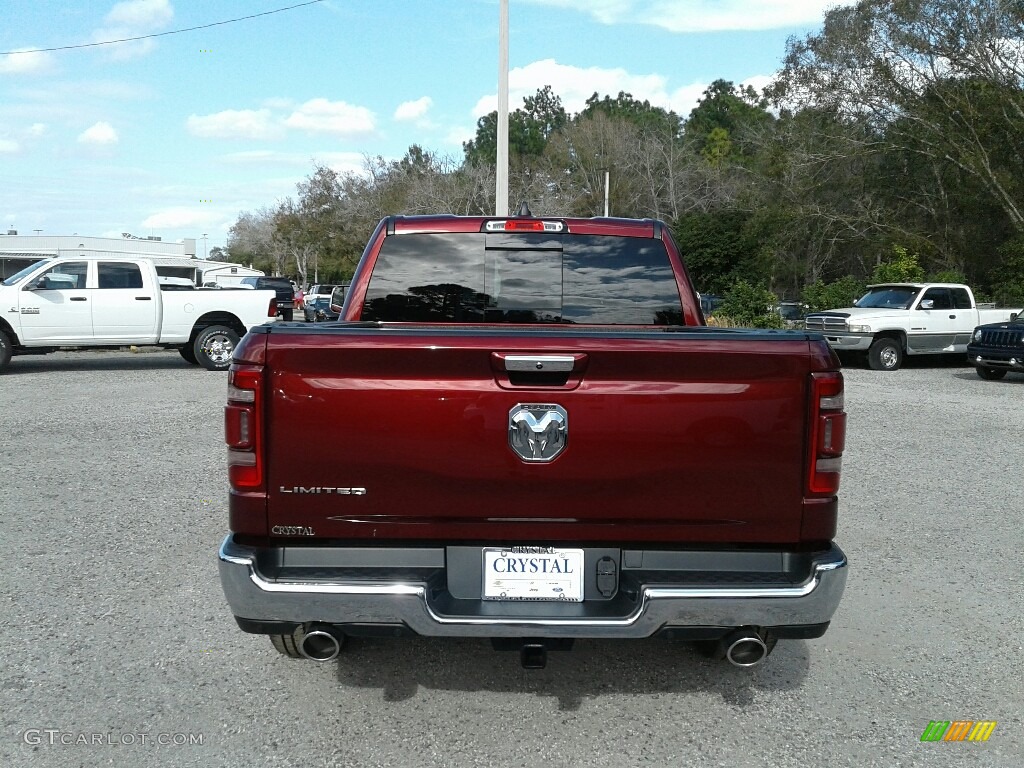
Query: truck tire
(189, 354)
(885, 354)
(6, 350)
(990, 374)
(214, 346)
(287, 314)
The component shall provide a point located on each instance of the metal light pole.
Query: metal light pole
(501, 165)
(606, 179)
(204, 246)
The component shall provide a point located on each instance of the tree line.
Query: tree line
(892, 133)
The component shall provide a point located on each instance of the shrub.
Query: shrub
(843, 292)
(902, 267)
(1008, 279)
(948, 276)
(749, 306)
(720, 321)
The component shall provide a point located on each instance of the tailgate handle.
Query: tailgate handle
(564, 371)
(540, 363)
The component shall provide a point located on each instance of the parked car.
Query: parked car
(892, 320)
(579, 455)
(709, 303)
(791, 312)
(111, 301)
(175, 283)
(997, 348)
(214, 285)
(337, 301)
(319, 310)
(320, 290)
(284, 288)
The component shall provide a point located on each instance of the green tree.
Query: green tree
(722, 115)
(947, 276)
(819, 296)
(644, 115)
(529, 129)
(717, 147)
(935, 78)
(324, 227)
(902, 267)
(1008, 278)
(713, 245)
(750, 306)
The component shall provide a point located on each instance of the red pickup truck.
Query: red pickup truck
(531, 436)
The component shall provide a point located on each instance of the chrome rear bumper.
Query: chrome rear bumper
(427, 610)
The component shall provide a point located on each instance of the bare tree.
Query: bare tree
(251, 238)
(942, 79)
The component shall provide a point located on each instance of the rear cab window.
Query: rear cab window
(523, 278)
(118, 275)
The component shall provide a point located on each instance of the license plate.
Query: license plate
(533, 573)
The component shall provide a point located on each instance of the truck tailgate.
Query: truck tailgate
(403, 433)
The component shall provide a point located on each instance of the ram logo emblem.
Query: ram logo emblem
(537, 432)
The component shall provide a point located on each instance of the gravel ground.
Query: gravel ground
(114, 504)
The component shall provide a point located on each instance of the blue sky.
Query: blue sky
(174, 135)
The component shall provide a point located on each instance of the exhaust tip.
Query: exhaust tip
(745, 649)
(320, 645)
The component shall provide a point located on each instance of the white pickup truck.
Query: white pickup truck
(896, 319)
(112, 301)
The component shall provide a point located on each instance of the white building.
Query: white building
(171, 259)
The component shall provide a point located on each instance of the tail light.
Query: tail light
(242, 427)
(272, 309)
(827, 434)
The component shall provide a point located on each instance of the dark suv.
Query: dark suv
(996, 348)
(284, 289)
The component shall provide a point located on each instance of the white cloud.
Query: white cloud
(278, 103)
(342, 162)
(141, 14)
(681, 100)
(25, 61)
(459, 135)
(133, 18)
(182, 217)
(315, 116)
(99, 133)
(703, 15)
(10, 146)
(265, 157)
(574, 85)
(413, 110)
(235, 124)
(334, 117)
(759, 82)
